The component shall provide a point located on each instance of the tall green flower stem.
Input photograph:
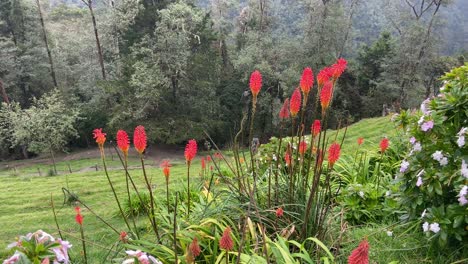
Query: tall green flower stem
(252, 118)
(83, 243)
(128, 194)
(174, 230)
(103, 157)
(291, 170)
(188, 188)
(378, 170)
(278, 157)
(148, 186)
(167, 194)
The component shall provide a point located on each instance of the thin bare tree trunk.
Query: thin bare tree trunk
(4, 93)
(89, 3)
(44, 35)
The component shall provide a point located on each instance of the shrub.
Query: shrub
(434, 174)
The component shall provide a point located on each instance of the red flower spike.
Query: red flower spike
(361, 254)
(77, 209)
(333, 154)
(194, 248)
(284, 112)
(360, 141)
(208, 158)
(302, 147)
(78, 217)
(139, 139)
(338, 68)
(218, 155)
(279, 212)
(226, 242)
(123, 142)
(203, 163)
(99, 136)
(325, 95)
(255, 83)
(287, 158)
(307, 80)
(190, 150)
(166, 166)
(316, 126)
(123, 237)
(295, 104)
(323, 76)
(384, 143)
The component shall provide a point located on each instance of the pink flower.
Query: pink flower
(426, 126)
(419, 182)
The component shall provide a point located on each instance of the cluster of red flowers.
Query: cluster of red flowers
(99, 136)
(384, 143)
(139, 139)
(326, 95)
(360, 141)
(302, 148)
(203, 163)
(255, 83)
(78, 217)
(190, 150)
(279, 212)
(123, 142)
(295, 104)
(166, 166)
(361, 254)
(333, 154)
(307, 81)
(226, 242)
(315, 128)
(194, 248)
(284, 112)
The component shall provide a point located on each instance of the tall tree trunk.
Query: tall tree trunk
(4, 93)
(44, 34)
(89, 3)
(348, 29)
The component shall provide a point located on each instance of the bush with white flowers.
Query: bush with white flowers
(434, 175)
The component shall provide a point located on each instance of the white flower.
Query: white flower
(274, 157)
(388, 193)
(464, 190)
(389, 233)
(419, 182)
(425, 226)
(437, 155)
(417, 147)
(13, 259)
(461, 141)
(361, 193)
(412, 140)
(421, 120)
(404, 166)
(462, 195)
(464, 169)
(425, 106)
(434, 227)
(462, 131)
(423, 213)
(443, 161)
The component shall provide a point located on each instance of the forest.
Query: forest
(182, 67)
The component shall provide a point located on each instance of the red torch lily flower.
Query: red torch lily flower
(360, 141)
(139, 139)
(226, 242)
(190, 150)
(78, 217)
(323, 76)
(123, 142)
(333, 154)
(279, 212)
(255, 83)
(307, 81)
(99, 136)
(361, 254)
(284, 112)
(123, 237)
(316, 126)
(384, 143)
(194, 248)
(338, 68)
(302, 147)
(295, 104)
(166, 166)
(326, 95)
(203, 163)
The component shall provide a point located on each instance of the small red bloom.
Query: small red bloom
(316, 128)
(302, 147)
(123, 142)
(333, 153)
(166, 166)
(338, 68)
(295, 104)
(208, 158)
(99, 136)
(226, 242)
(218, 155)
(78, 217)
(194, 248)
(284, 112)
(203, 163)
(323, 76)
(326, 95)
(139, 139)
(307, 80)
(384, 145)
(190, 150)
(287, 158)
(360, 141)
(255, 83)
(279, 212)
(123, 236)
(320, 158)
(361, 254)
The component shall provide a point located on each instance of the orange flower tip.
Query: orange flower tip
(307, 80)
(324, 75)
(338, 68)
(279, 212)
(326, 94)
(295, 103)
(122, 141)
(195, 248)
(226, 242)
(190, 150)
(284, 112)
(316, 126)
(333, 153)
(77, 209)
(360, 255)
(360, 141)
(139, 139)
(255, 82)
(99, 136)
